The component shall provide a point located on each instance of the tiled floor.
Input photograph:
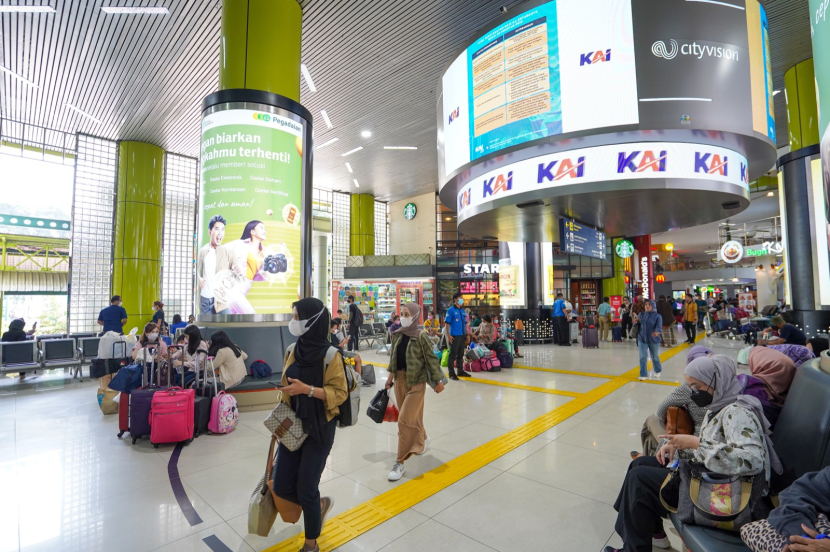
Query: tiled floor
(69, 484)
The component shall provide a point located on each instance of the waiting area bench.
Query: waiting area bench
(47, 352)
(802, 442)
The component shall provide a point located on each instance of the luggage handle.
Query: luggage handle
(204, 373)
(123, 348)
(152, 367)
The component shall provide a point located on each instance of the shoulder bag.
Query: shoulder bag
(283, 417)
(262, 512)
(635, 329)
(679, 421)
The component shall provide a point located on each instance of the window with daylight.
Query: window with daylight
(381, 228)
(340, 234)
(181, 195)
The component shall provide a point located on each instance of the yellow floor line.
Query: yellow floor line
(568, 372)
(525, 387)
(352, 523)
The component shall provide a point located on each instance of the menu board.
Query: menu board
(577, 239)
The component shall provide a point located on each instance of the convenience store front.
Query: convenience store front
(380, 299)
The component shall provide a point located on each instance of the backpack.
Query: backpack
(260, 369)
(358, 316)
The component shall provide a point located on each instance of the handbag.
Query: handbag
(679, 421)
(635, 329)
(283, 416)
(760, 536)
(262, 512)
(377, 406)
(711, 499)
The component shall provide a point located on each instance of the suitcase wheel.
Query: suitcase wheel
(120, 434)
(155, 446)
(135, 439)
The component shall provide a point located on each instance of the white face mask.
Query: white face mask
(299, 327)
(406, 321)
(152, 336)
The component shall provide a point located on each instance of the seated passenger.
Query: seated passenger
(485, 333)
(734, 440)
(772, 375)
(802, 512)
(787, 333)
(186, 357)
(340, 340)
(177, 323)
(228, 359)
(395, 324)
(150, 339)
(655, 425)
(16, 333)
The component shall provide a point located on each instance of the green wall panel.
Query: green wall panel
(362, 225)
(802, 111)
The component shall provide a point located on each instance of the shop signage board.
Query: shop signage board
(252, 176)
(578, 239)
(732, 252)
(481, 269)
(624, 249)
(616, 302)
(409, 211)
(767, 248)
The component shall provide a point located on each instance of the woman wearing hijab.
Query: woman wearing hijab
(772, 375)
(648, 339)
(314, 390)
(410, 359)
(655, 424)
(734, 440)
(486, 332)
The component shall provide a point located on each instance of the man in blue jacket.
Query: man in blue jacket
(455, 331)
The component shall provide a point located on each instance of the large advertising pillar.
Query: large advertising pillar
(254, 221)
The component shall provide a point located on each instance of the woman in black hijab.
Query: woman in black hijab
(314, 385)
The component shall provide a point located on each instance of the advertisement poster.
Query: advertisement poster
(547, 273)
(616, 304)
(511, 292)
(746, 301)
(513, 86)
(820, 32)
(249, 229)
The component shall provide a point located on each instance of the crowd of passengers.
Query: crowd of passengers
(733, 416)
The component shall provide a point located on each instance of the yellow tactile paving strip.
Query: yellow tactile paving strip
(356, 521)
(525, 387)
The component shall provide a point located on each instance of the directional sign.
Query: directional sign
(581, 240)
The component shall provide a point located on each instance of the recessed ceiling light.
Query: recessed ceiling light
(774, 92)
(349, 167)
(18, 77)
(366, 134)
(358, 148)
(83, 113)
(324, 144)
(307, 77)
(401, 147)
(135, 11)
(448, 218)
(356, 185)
(326, 118)
(770, 194)
(27, 9)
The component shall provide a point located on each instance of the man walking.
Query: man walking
(667, 314)
(690, 319)
(455, 330)
(604, 314)
(702, 311)
(562, 335)
(355, 322)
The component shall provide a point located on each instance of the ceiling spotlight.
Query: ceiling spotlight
(134, 11)
(83, 113)
(400, 147)
(366, 134)
(351, 151)
(770, 194)
(326, 118)
(356, 185)
(307, 77)
(349, 168)
(324, 144)
(448, 218)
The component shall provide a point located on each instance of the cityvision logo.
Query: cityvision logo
(262, 117)
(635, 162)
(717, 166)
(567, 169)
(498, 184)
(594, 57)
(699, 51)
(455, 114)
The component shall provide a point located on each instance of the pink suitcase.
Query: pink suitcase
(474, 366)
(224, 414)
(171, 416)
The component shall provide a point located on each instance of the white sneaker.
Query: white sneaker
(642, 378)
(397, 472)
(656, 375)
(661, 540)
(426, 446)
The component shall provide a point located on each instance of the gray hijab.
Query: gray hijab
(720, 373)
(413, 330)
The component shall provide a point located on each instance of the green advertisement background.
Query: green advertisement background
(241, 194)
(820, 30)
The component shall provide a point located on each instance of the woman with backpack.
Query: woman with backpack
(228, 359)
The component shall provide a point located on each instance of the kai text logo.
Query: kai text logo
(464, 199)
(498, 184)
(559, 169)
(717, 165)
(455, 114)
(594, 57)
(744, 174)
(641, 161)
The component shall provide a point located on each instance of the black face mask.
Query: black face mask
(702, 398)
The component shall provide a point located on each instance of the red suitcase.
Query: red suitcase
(171, 416)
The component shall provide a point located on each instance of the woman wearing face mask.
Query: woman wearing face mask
(409, 360)
(150, 339)
(734, 440)
(486, 332)
(158, 314)
(186, 358)
(314, 390)
(433, 328)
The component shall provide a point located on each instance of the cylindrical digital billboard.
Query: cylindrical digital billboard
(254, 207)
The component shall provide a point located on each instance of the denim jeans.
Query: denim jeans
(655, 357)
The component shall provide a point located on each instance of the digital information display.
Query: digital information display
(606, 163)
(581, 240)
(251, 188)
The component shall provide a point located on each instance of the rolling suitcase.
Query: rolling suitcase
(202, 395)
(224, 412)
(616, 334)
(574, 327)
(140, 401)
(590, 338)
(171, 416)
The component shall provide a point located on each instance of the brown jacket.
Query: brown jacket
(666, 312)
(334, 383)
(690, 312)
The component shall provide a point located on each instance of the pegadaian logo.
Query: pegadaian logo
(262, 117)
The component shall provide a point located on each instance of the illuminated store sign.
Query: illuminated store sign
(481, 269)
(644, 276)
(625, 249)
(602, 164)
(767, 248)
(732, 252)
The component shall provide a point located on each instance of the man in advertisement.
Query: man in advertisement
(214, 258)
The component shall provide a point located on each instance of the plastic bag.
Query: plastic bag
(445, 358)
(392, 411)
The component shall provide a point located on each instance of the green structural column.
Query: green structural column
(615, 285)
(802, 112)
(139, 219)
(260, 46)
(362, 225)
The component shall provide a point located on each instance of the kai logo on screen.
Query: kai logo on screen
(717, 165)
(464, 199)
(642, 161)
(594, 57)
(498, 184)
(455, 114)
(561, 168)
(744, 174)
(262, 117)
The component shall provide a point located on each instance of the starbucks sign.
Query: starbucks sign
(625, 249)
(409, 211)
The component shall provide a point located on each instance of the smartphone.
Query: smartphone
(277, 384)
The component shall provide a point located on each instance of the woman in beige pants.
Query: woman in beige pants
(409, 360)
